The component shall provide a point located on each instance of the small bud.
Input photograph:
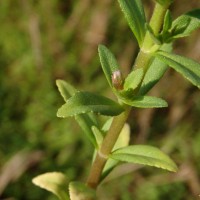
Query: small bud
(117, 80)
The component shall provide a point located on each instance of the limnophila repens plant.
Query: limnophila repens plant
(111, 142)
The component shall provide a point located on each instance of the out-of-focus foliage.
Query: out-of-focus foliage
(41, 41)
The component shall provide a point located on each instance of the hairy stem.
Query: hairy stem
(143, 60)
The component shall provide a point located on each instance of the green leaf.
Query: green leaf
(189, 68)
(98, 135)
(84, 102)
(79, 191)
(133, 79)
(167, 22)
(145, 102)
(186, 24)
(155, 72)
(66, 90)
(54, 182)
(108, 62)
(107, 125)
(134, 13)
(122, 141)
(86, 121)
(145, 155)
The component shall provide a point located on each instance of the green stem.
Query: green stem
(106, 147)
(156, 24)
(144, 57)
(143, 60)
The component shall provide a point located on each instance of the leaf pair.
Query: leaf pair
(181, 27)
(81, 105)
(132, 82)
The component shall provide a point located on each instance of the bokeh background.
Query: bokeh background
(41, 41)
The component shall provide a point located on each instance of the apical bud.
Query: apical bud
(117, 80)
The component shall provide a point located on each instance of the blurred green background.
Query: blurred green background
(41, 41)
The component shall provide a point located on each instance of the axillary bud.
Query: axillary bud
(117, 80)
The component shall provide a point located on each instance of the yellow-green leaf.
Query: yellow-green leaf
(54, 182)
(134, 13)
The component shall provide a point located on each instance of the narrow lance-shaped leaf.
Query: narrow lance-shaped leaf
(66, 90)
(189, 68)
(134, 13)
(54, 182)
(108, 62)
(186, 24)
(86, 124)
(167, 22)
(145, 102)
(98, 135)
(155, 72)
(133, 79)
(86, 121)
(145, 155)
(85, 102)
